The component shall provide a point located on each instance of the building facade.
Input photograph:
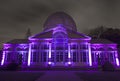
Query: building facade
(60, 45)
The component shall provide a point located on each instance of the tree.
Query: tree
(97, 32)
(28, 33)
(106, 33)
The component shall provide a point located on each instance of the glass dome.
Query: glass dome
(60, 18)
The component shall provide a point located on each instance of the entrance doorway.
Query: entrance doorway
(59, 56)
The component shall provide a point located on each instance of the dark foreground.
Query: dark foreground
(59, 76)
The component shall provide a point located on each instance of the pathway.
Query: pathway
(59, 76)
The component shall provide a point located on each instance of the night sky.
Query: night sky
(16, 16)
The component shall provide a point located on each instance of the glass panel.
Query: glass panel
(84, 56)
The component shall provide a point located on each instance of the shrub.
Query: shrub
(107, 66)
(12, 66)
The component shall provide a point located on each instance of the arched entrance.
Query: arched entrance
(59, 48)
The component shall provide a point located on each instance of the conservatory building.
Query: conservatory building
(59, 44)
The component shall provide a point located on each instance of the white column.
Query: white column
(69, 56)
(29, 54)
(116, 58)
(49, 50)
(90, 57)
(23, 59)
(39, 52)
(49, 55)
(3, 58)
(79, 52)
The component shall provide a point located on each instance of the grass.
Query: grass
(19, 75)
(99, 76)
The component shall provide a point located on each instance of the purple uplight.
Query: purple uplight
(90, 57)
(97, 53)
(29, 55)
(69, 56)
(49, 50)
(49, 63)
(60, 45)
(3, 58)
(69, 62)
(117, 60)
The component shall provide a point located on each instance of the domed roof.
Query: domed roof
(60, 18)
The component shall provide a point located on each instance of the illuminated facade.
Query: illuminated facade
(60, 45)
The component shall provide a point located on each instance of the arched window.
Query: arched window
(60, 37)
(101, 49)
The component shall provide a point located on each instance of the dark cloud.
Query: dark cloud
(18, 15)
(31, 13)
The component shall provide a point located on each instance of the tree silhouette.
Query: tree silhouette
(28, 33)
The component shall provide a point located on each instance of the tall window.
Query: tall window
(59, 56)
(34, 57)
(74, 57)
(52, 56)
(8, 56)
(84, 57)
(44, 56)
(66, 56)
(111, 56)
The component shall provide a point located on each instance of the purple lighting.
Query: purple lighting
(29, 54)
(90, 58)
(3, 58)
(97, 53)
(60, 44)
(69, 56)
(59, 28)
(69, 62)
(49, 50)
(117, 60)
(49, 63)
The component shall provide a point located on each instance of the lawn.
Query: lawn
(19, 75)
(99, 76)
(59, 76)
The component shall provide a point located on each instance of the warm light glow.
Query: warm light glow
(90, 58)
(3, 58)
(29, 55)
